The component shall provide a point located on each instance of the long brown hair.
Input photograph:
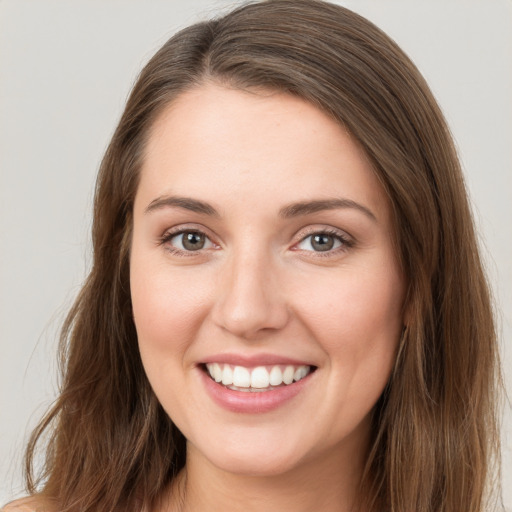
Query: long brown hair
(112, 447)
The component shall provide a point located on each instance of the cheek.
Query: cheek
(356, 316)
(358, 325)
(353, 302)
(168, 307)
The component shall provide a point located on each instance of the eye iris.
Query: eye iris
(322, 242)
(193, 241)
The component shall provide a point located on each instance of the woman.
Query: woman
(287, 307)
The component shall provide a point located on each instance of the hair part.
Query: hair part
(435, 432)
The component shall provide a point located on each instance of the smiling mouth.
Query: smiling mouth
(258, 379)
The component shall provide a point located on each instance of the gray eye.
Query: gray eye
(190, 241)
(193, 241)
(320, 242)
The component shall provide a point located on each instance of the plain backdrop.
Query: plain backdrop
(66, 68)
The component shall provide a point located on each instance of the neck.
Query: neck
(329, 483)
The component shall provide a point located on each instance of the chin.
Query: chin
(255, 466)
(251, 457)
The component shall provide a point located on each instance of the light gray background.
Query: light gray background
(65, 70)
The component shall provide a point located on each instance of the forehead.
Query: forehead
(257, 145)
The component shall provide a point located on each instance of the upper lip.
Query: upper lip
(254, 360)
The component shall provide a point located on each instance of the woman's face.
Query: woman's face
(266, 293)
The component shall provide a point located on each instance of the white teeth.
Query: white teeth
(241, 377)
(288, 374)
(276, 376)
(300, 373)
(217, 372)
(259, 378)
(227, 375)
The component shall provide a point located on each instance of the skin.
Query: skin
(259, 286)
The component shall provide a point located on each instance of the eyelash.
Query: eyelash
(345, 241)
(169, 235)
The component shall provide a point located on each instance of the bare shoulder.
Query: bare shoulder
(31, 504)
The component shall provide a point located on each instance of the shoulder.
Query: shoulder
(30, 504)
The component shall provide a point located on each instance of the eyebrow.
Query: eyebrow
(289, 211)
(309, 207)
(186, 203)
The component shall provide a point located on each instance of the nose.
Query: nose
(250, 301)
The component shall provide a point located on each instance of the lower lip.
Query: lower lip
(252, 402)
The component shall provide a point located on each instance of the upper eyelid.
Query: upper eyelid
(331, 230)
(183, 228)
